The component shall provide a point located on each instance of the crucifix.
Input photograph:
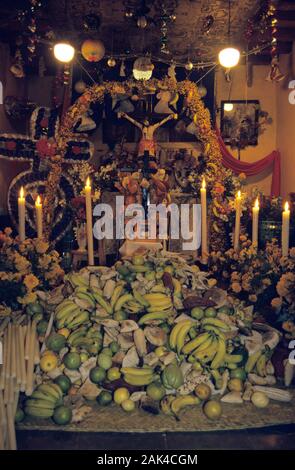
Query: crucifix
(147, 142)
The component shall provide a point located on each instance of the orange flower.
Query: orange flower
(31, 282)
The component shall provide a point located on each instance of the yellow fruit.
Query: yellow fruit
(120, 395)
(203, 391)
(113, 374)
(128, 405)
(64, 332)
(212, 409)
(160, 351)
(259, 399)
(235, 385)
(48, 362)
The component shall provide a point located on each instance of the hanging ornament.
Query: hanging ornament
(92, 50)
(143, 68)
(207, 24)
(80, 86)
(202, 91)
(128, 14)
(111, 62)
(142, 22)
(189, 66)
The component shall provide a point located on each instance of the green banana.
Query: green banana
(76, 334)
(261, 365)
(193, 344)
(138, 269)
(219, 356)
(39, 412)
(182, 336)
(102, 302)
(88, 297)
(252, 360)
(139, 381)
(214, 329)
(71, 317)
(137, 371)
(153, 316)
(38, 395)
(77, 281)
(215, 322)
(62, 305)
(56, 393)
(66, 310)
(140, 298)
(122, 300)
(217, 377)
(116, 294)
(234, 358)
(42, 404)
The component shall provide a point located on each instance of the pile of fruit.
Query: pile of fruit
(156, 333)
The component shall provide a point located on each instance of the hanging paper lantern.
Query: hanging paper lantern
(189, 65)
(143, 68)
(202, 91)
(111, 62)
(92, 50)
(142, 22)
(80, 86)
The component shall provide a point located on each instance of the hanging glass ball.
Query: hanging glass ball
(111, 62)
(202, 91)
(80, 87)
(189, 65)
(142, 22)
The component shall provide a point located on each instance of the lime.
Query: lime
(212, 409)
(238, 373)
(120, 315)
(114, 347)
(42, 327)
(104, 398)
(130, 277)
(210, 312)
(225, 309)
(104, 361)
(97, 375)
(84, 357)
(107, 352)
(150, 275)
(34, 307)
(19, 415)
(55, 342)
(155, 391)
(63, 382)
(138, 260)
(128, 405)
(113, 374)
(62, 415)
(120, 395)
(38, 317)
(72, 360)
(197, 313)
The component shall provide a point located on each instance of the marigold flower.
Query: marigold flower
(31, 281)
(236, 287)
(276, 302)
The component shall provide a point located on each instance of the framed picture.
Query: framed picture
(240, 122)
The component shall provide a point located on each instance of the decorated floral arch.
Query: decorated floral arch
(215, 173)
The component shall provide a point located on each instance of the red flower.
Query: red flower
(46, 148)
(10, 145)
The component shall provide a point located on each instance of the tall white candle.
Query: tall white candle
(39, 217)
(204, 238)
(22, 215)
(238, 221)
(255, 218)
(89, 222)
(285, 230)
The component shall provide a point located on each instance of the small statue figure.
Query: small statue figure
(147, 142)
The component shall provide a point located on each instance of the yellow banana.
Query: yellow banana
(153, 316)
(234, 358)
(77, 281)
(156, 297)
(166, 404)
(63, 304)
(140, 298)
(181, 402)
(86, 296)
(102, 302)
(193, 344)
(207, 354)
(63, 312)
(139, 381)
(159, 288)
(122, 300)
(175, 331)
(177, 287)
(214, 329)
(205, 345)
(219, 356)
(159, 308)
(137, 371)
(251, 362)
(116, 294)
(38, 412)
(182, 336)
(215, 322)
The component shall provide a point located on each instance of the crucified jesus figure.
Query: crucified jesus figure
(147, 141)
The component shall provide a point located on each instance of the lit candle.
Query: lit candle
(89, 222)
(255, 218)
(238, 221)
(39, 217)
(22, 215)
(285, 230)
(204, 238)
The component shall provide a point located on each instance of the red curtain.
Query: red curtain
(252, 169)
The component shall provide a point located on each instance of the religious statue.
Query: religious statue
(147, 142)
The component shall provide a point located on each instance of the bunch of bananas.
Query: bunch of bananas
(89, 339)
(172, 405)
(137, 376)
(44, 400)
(258, 361)
(159, 307)
(69, 315)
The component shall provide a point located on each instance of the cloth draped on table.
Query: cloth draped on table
(252, 169)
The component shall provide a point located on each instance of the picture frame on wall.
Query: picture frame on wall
(239, 122)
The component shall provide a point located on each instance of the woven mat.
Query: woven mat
(114, 419)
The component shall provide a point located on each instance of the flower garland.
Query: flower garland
(198, 113)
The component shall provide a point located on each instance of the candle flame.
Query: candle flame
(256, 205)
(286, 206)
(38, 201)
(22, 192)
(239, 194)
(203, 183)
(88, 183)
